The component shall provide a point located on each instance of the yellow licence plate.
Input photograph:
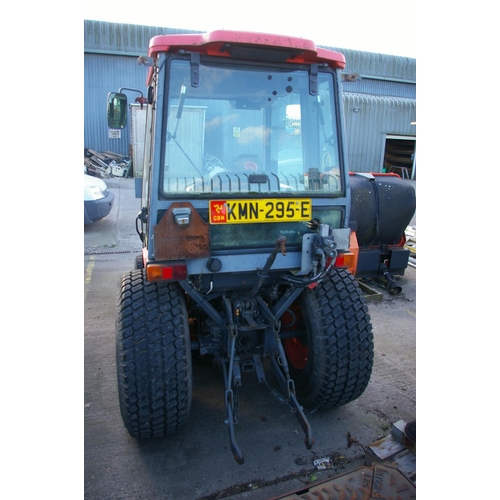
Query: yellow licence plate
(262, 210)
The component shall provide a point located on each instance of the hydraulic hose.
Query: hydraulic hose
(294, 281)
(280, 246)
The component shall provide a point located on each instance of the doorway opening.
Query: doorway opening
(400, 156)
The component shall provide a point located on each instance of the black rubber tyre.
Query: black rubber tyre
(153, 356)
(138, 263)
(333, 366)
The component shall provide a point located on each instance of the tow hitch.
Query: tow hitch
(249, 332)
(231, 369)
(273, 349)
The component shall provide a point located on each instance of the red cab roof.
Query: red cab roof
(222, 43)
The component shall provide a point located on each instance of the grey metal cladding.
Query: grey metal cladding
(124, 39)
(379, 91)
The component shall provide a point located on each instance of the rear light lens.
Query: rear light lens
(167, 271)
(345, 260)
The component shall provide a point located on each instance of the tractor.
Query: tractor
(249, 227)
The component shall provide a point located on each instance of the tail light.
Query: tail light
(166, 271)
(346, 260)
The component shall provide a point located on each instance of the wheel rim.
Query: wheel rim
(297, 352)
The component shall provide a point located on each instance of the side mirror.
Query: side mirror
(117, 110)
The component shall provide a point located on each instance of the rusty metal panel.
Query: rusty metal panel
(187, 241)
(365, 483)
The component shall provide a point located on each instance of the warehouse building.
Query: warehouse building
(379, 97)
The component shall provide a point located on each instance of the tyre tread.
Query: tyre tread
(342, 352)
(153, 357)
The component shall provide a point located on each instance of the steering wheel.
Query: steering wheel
(212, 166)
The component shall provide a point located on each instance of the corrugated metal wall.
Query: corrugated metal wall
(380, 102)
(384, 90)
(124, 39)
(110, 63)
(379, 65)
(380, 88)
(368, 120)
(102, 74)
(379, 74)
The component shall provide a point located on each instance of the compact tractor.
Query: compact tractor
(253, 231)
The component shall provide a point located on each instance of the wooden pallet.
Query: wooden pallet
(369, 292)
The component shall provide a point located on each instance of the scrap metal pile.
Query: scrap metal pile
(106, 164)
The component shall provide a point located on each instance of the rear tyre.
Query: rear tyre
(153, 357)
(138, 263)
(332, 364)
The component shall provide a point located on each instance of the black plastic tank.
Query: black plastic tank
(382, 207)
